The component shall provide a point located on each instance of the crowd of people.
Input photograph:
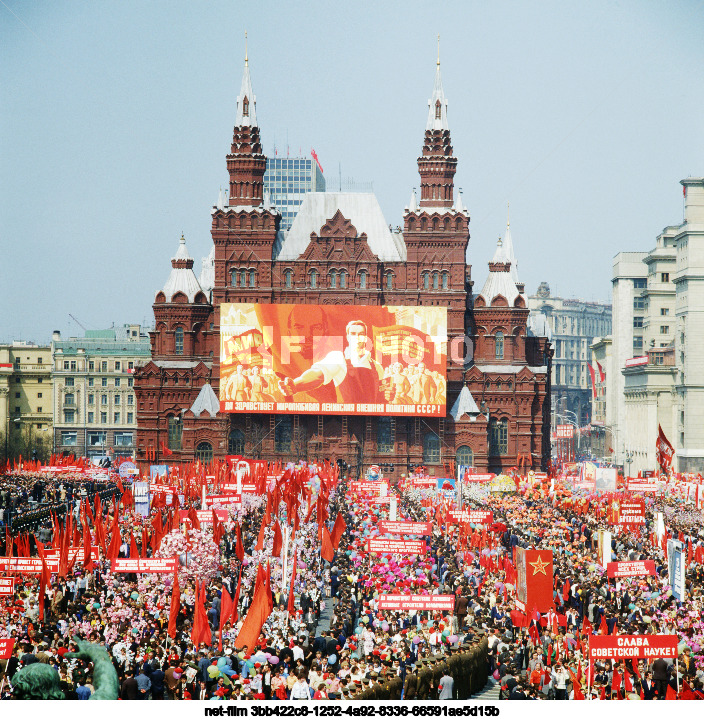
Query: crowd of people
(302, 546)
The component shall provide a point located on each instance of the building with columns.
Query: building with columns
(340, 250)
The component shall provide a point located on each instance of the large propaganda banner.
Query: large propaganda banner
(534, 588)
(642, 485)
(28, 565)
(77, 552)
(625, 569)
(397, 602)
(352, 360)
(409, 528)
(228, 500)
(7, 645)
(626, 512)
(386, 545)
(601, 647)
(469, 516)
(143, 565)
(7, 586)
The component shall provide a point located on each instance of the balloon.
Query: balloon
(213, 671)
(453, 638)
(274, 660)
(222, 662)
(134, 595)
(332, 659)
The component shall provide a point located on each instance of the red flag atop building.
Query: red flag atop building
(664, 450)
(602, 374)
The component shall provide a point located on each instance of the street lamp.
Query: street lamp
(629, 459)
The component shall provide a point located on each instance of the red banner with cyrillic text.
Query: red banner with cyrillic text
(385, 545)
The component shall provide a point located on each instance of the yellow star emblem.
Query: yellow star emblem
(539, 566)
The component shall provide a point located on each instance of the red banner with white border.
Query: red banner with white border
(617, 647)
(625, 569)
(205, 517)
(224, 500)
(470, 516)
(386, 545)
(397, 602)
(143, 565)
(28, 565)
(409, 528)
(7, 586)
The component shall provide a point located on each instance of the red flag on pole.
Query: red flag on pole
(175, 604)
(664, 449)
(278, 540)
(291, 606)
(337, 530)
(328, 551)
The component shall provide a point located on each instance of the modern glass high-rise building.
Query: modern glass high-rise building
(287, 180)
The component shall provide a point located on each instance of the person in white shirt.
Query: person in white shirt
(300, 690)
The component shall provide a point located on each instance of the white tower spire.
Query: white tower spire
(246, 100)
(437, 105)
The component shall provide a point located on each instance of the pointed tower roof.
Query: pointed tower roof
(246, 100)
(206, 401)
(182, 279)
(499, 281)
(508, 248)
(413, 204)
(437, 105)
(465, 404)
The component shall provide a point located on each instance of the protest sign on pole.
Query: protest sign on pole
(7, 586)
(626, 569)
(625, 646)
(143, 565)
(406, 528)
(534, 588)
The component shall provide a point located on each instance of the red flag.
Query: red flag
(627, 683)
(665, 451)
(175, 604)
(236, 601)
(225, 611)
(201, 628)
(260, 537)
(615, 681)
(134, 553)
(670, 694)
(44, 578)
(592, 377)
(217, 529)
(165, 451)
(291, 606)
(337, 530)
(256, 617)
(327, 552)
(193, 518)
(602, 375)
(602, 626)
(278, 540)
(87, 560)
(239, 548)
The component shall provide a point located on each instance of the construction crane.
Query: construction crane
(78, 321)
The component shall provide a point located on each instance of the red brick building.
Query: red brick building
(340, 250)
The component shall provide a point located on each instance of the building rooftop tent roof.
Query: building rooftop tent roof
(500, 281)
(206, 401)
(182, 279)
(465, 404)
(361, 209)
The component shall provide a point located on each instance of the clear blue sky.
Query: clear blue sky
(116, 118)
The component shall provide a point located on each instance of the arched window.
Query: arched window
(389, 281)
(445, 280)
(438, 110)
(384, 435)
(243, 278)
(288, 278)
(333, 279)
(436, 279)
(245, 107)
(431, 448)
(362, 278)
(235, 442)
(314, 279)
(343, 279)
(251, 279)
(426, 280)
(498, 437)
(465, 456)
(499, 346)
(233, 278)
(175, 426)
(204, 452)
(178, 341)
(282, 435)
